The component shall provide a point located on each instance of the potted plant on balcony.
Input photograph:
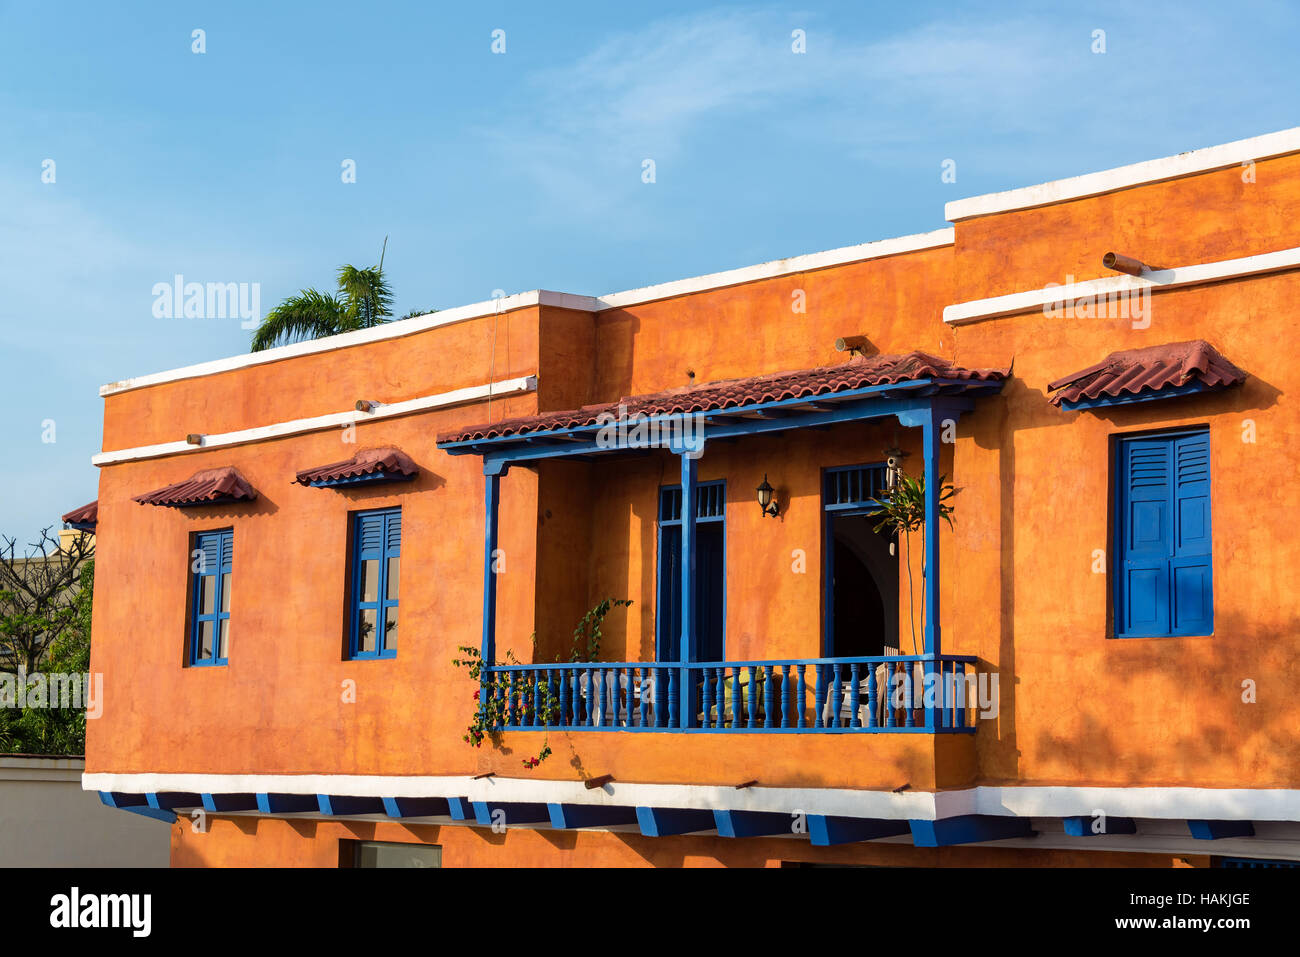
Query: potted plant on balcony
(902, 512)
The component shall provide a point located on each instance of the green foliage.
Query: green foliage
(903, 512)
(53, 730)
(904, 509)
(364, 300)
(538, 702)
(587, 636)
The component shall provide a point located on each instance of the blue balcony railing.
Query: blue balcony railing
(896, 693)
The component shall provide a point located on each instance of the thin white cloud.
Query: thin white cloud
(1011, 87)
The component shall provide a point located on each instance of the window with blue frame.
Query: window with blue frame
(1164, 575)
(212, 559)
(376, 560)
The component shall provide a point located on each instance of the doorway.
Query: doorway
(861, 567)
(710, 573)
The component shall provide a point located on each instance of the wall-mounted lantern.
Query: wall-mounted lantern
(766, 499)
(893, 467)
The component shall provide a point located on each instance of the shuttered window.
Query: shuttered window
(211, 561)
(1164, 575)
(376, 559)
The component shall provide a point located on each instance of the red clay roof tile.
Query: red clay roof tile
(86, 515)
(1150, 369)
(202, 488)
(859, 373)
(388, 460)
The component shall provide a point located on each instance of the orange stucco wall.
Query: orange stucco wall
(1018, 580)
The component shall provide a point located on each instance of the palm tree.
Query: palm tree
(364, 300)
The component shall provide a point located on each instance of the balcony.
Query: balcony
(897, 693)
(685, 691)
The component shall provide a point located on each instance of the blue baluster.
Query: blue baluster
(706, 691)
(835, 697)
(959, 694)
(642, 689)
(661, 689)
(871, 695)
(946, 702)
(785, 696)
(564, 697)
(673, 701)
(891, 683)
(496, 691)
(769, 697)
(737, 698)
(751, 700)
(819, 696)
(801, 697)
(909, 719)
(854, 720)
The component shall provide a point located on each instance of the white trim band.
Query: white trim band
(389, 330)
(316, 423)
(1159, 281)
(1125, 177)
(1220, 804)
(780, 267)
(542, 297)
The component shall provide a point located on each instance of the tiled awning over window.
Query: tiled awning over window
(368, 466)
(83, 518)
(1154, 372)
(860, 373)
(206, 487)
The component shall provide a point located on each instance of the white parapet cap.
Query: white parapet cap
(278, 430)
(541, 297)
(1205, 160)
(1110, 287)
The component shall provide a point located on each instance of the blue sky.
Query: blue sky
(522, 170)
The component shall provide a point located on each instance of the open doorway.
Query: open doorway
(861, 568)
(710, 573)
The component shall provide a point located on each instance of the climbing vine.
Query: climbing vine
(537, 703)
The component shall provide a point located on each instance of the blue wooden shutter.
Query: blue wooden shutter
(1191, 571)
(1164, 584)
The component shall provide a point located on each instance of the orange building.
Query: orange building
(1082, 654)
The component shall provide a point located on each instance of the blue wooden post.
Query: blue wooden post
(930, 441)
(492, 472)
(686, 646)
